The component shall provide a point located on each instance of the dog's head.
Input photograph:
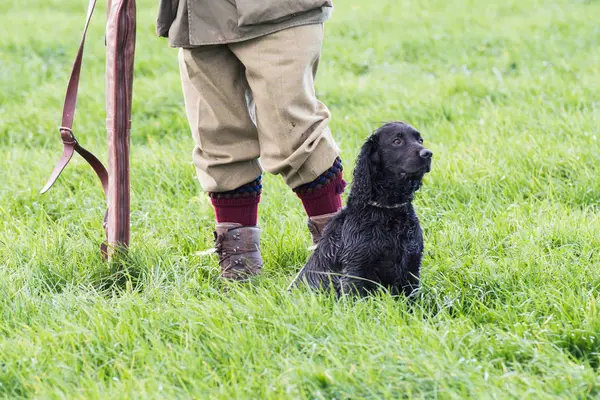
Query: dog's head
(401, 151)
(391, 165)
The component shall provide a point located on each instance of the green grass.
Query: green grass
(506, 95)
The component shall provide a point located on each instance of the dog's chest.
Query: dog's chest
(395, 239)
(390, 237)
(392, 230)
(386, 239)
(390, 265)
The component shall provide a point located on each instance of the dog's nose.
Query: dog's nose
(425, 153)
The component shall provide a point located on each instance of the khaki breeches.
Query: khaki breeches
(256, 100)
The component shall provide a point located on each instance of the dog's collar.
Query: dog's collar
(389, 206)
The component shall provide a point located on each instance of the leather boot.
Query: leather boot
(238, 248)
(317, 224)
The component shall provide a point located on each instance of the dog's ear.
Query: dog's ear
(364, 172)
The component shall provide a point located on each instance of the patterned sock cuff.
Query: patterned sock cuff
(251, 189)
(322, 180)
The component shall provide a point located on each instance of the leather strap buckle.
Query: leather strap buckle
(66, 134)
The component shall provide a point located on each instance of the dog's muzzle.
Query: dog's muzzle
(426, 155)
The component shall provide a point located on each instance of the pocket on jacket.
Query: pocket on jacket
(253, 12)
(167, 11)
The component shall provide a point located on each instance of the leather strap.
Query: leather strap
(70, 143)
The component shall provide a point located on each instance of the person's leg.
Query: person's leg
(227, 148)
(226, 152)
(295, 140)
(322, 199)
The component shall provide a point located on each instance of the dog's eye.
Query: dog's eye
(421, 140)
(397, 141)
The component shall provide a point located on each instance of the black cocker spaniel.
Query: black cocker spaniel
(376, 240)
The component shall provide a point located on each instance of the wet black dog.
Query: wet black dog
(376, 240)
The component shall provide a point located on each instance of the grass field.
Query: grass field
(506, 94)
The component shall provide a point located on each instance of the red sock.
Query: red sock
(242, 210)
(323, 195)
(239, 205)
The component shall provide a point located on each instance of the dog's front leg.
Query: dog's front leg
(413, 269)
(352, 286)
(353, 279)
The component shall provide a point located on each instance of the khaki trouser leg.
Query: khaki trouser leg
(215, 88)
(295, 140)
